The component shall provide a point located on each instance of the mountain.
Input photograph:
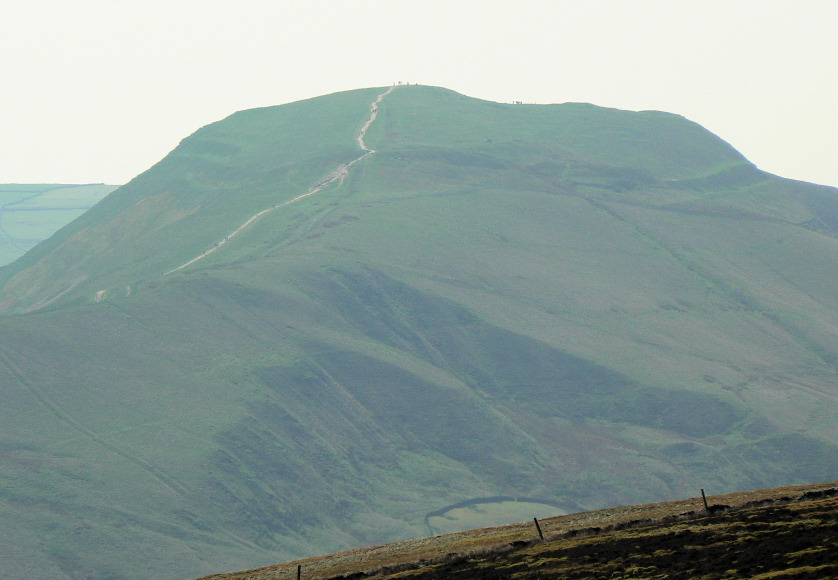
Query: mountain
(322, 325)
(30, 213)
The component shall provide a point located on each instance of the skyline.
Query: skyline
(99, 92)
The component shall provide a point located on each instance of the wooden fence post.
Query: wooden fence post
(538, 528)
(703, 497)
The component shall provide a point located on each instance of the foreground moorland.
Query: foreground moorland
(380, 314)
(787, 532)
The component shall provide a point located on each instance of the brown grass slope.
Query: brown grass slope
(788, 532)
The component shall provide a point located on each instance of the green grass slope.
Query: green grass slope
(584, 306)
(30, 213)
(214, 180)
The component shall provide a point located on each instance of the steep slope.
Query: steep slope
(585, 306)
(30, 213)
(216, 179)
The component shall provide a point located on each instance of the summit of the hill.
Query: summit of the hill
(249, 163)
(336, 322)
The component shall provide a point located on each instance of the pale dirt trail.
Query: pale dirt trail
(338, 174)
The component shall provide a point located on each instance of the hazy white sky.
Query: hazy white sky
(100, 90)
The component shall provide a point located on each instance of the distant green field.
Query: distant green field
(30, 213)
(491, 513)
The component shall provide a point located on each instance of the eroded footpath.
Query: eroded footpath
(336, 175)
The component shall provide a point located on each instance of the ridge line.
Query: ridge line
(338, 174)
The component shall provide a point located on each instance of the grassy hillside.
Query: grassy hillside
(787, 532)
(30, 213)
(582, 306)
(207, 186)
